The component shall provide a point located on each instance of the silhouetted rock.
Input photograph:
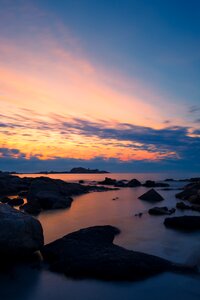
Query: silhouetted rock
(151, 196)
(20, 233)
(191, 193)
(133, 183)
(4, 199)
(161, 211)
(12, 185)
(16, 201)
(81, 181)
(108, 181)
(23, 194)
(183, 223)
(46, 193)
(151, 183)
(90, 253)
(183, 206)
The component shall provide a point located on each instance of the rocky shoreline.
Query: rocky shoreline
(89, 252)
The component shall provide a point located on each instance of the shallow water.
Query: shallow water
(146, 234)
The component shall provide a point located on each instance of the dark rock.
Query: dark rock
(31, 208)
(90, 253)
(4, 199)
(108, 181)
(81, 181)
(20, 233)
(23, 194)
(183, 206)
(133, 183)
(16, 201)
(161, 211)
(151, 183)
(120, 183)
(12, 185)
(191, 193)
(46, 193)
(190, 223)
(151, 196)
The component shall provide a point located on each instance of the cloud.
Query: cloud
(90, 139)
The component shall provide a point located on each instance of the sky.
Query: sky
(100, 84)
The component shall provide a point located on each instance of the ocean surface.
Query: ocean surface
(146, 234)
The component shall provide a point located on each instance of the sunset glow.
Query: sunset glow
(59, 102)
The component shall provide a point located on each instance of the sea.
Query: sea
(146, 234)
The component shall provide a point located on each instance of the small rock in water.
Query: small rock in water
(161, 211)
(151, 196)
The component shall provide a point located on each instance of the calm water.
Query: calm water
(146, 234)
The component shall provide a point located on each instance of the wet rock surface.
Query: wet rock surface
(20, 233)
(90, 253)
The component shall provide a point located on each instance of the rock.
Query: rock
(169, 179)
(90, 253)
(108, 181)
(189, 223)
(191, 193)
(31, 208)
(20, 233)
(81, 181)
(151, 183)
(46, 193)
(23, 194)
(120, 183)
(161, 211)
(12, 185)
(16, 201)
(133, 183)
(151, 196)
(183, 206)
(4, 199)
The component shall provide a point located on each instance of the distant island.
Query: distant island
(78, 170)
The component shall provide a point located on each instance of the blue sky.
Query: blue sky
(100, 83)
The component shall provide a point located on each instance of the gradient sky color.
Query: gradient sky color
(95, 83)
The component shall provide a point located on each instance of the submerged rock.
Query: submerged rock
(183, 223)
(20, 233)
(151, 196)
(90, 253)
(161, 211)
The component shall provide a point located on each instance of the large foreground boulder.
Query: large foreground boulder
(151, 196)
(183, 223)
(90, 252)
(20, 233)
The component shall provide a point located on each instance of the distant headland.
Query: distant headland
(77, 170)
